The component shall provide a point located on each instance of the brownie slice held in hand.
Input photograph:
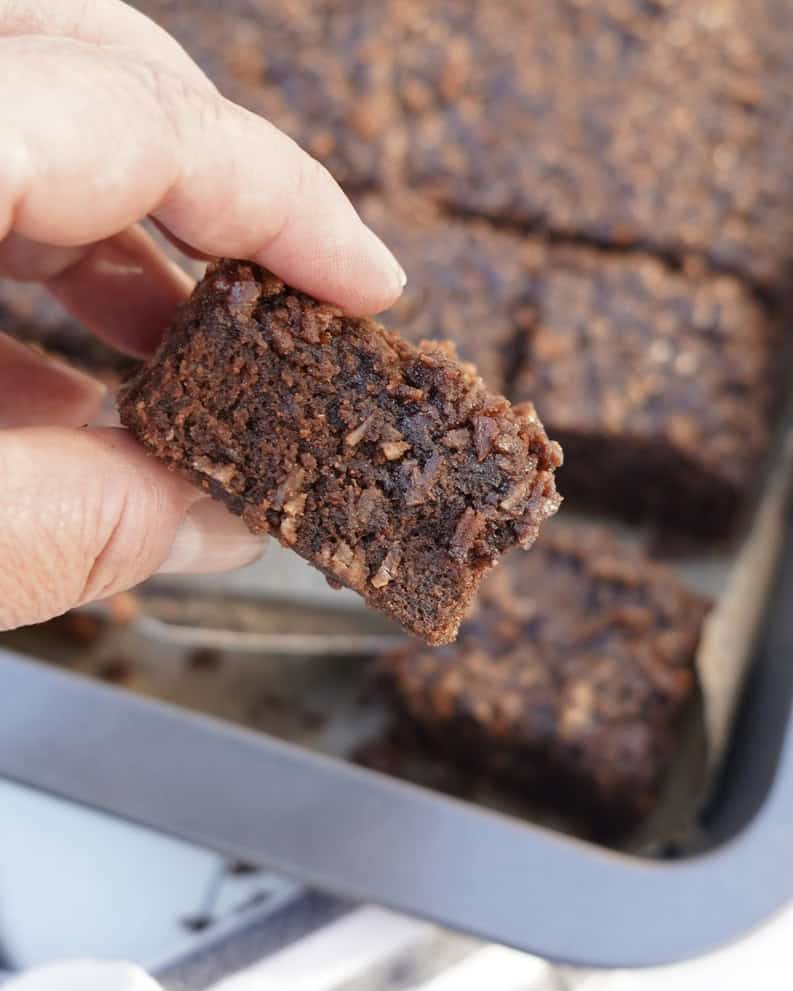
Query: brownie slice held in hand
(389, 467)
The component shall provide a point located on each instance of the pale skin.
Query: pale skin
(104, 121)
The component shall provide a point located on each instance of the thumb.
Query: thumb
(86, 513)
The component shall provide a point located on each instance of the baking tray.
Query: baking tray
(361, 835)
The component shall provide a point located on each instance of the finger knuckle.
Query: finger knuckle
(117, 546)
(178, 100)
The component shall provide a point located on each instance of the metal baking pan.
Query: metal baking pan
(361, 835)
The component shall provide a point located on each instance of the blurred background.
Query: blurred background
(594, 200)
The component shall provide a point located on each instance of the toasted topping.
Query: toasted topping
(388, 569)
(468, 528)
(393, 450)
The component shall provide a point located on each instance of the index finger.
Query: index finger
(95, 139)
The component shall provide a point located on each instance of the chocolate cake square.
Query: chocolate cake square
(658, 383)
(567, 684)
(389, 467)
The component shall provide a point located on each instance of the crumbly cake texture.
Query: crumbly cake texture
(391, 468)
(657, 383)
(567, 684)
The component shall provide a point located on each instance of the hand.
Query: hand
(105, 120)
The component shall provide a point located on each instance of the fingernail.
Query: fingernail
(384, 255)
(211, 539)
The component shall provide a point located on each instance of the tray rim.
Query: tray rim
(353, 832)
